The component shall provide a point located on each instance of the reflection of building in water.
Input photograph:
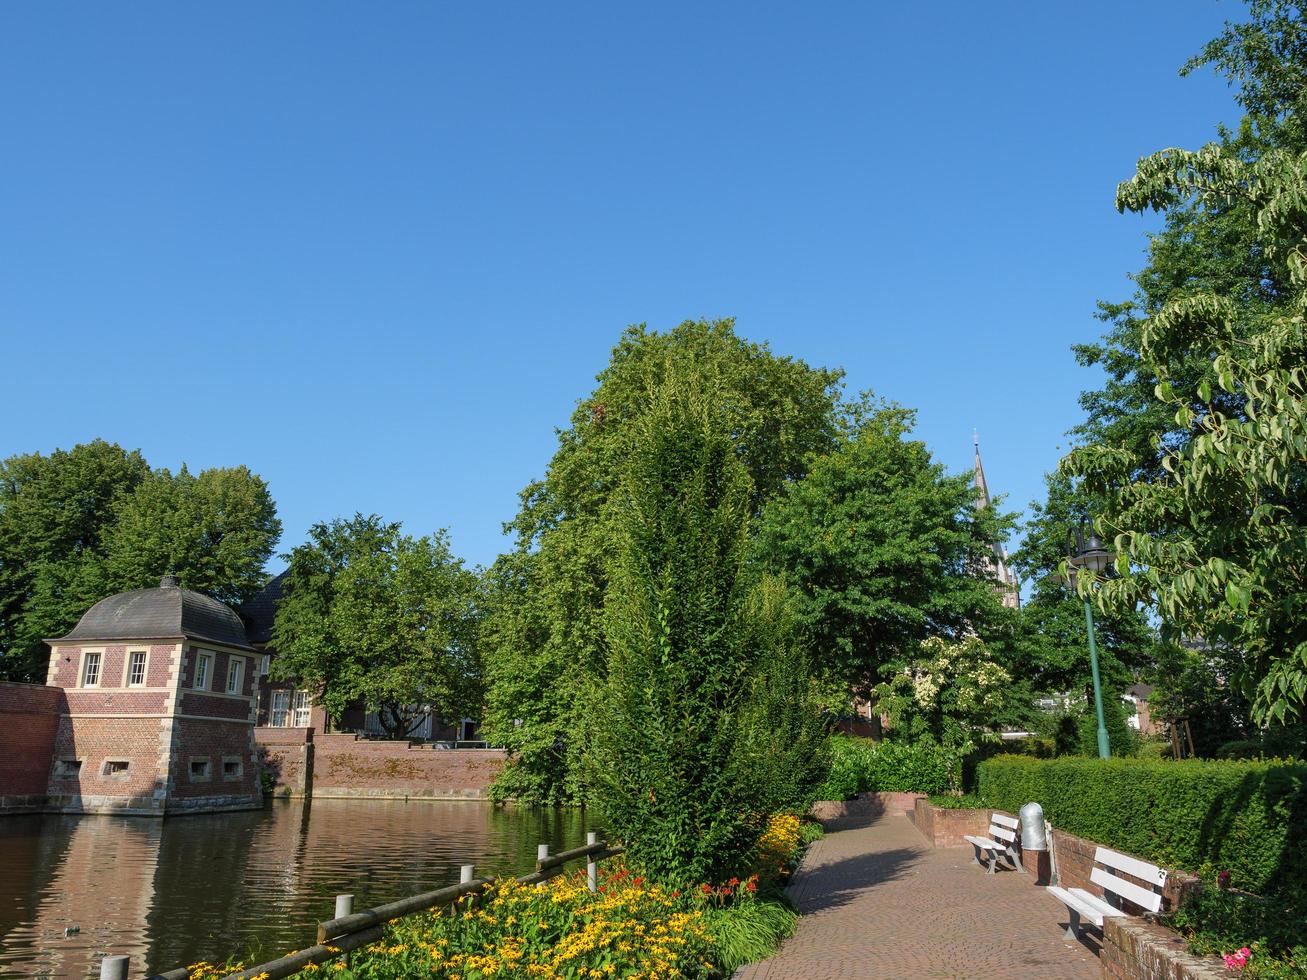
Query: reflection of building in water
(92, 882)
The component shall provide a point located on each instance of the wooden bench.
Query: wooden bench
(1082, 904)
(999, 843)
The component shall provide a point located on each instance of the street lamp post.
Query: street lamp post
(1087, 552)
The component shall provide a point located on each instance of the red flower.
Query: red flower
(676, 894)
(733, 882)
(707, 889)
(751, 885)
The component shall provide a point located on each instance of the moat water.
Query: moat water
(171, 892)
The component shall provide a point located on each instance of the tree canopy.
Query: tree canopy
(77, 525)
(882, 548)
(1199, 445)
(369, 612)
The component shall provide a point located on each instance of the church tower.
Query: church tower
(1008, 587)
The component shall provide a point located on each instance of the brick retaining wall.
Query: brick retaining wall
(1137, 950)
(344, 766)
(948, 828)
(29, 717)
(1073, 857)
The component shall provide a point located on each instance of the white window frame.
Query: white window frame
(203, 665)
(301, 709)
(235, 674)
(279, 709)
(96, 658)
(132, 661)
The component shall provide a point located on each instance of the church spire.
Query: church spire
(1008, 586)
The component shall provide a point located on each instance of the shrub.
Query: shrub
(748, 932)
(859, 765)
(1247, 817)
(1123, 739)
(950, 801)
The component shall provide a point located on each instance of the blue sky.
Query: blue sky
(377, 252)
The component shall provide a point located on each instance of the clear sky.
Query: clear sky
(377, 252)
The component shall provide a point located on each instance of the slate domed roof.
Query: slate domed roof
(163, 613)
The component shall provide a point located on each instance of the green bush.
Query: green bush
(949, 801)
(1123, 740)
(859, 765)
(1249, 818)
(1218, 921)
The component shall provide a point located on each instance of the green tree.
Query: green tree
(701, 726)
(883, 549)
(550, 641)
(1211, 525)
(1051, 644)
(54, 511)
(1188, 684)
(370, 613)
(216, 530)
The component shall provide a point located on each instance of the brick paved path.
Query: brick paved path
(878, 901)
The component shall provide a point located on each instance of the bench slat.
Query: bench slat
(1142, 870)
(985, 843)
(1089, 898)
(1075, 902)
(1142, 897)
(1002, 834)
(1009, 822)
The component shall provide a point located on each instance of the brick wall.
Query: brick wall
(1073, 857)
(222, 745)
(1137, 950)
(346, 766)
(94, 742)
(948, 828)
(286, 754)
(866, 807)
(29, 717)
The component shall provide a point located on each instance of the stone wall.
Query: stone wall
(867, 806)
(29, 718)
(305, 763)
(1137, 950)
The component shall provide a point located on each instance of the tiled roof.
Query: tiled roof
(260, 610)
(163, 612)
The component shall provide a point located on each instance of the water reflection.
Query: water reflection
(171, 892)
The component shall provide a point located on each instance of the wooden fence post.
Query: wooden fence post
(114, 967)
(591, 866)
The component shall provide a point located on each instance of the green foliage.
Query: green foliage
(1189, 684)
(81, 524)
(368, 612)
(1122, 739)
(882, 547)
(1197, 444)
(859, 765)
(1247, 817)
(748, 932)
(1218, 921)
(955, 801)
(547, 599)
(955, 694)
(704, 724)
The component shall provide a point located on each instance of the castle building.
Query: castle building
(159, 690)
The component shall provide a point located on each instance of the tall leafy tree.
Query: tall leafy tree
(54, 512)
(779, 412)
(883, 549)
(216, 530)
(1206, 502)
(701, 726)
(371, 613)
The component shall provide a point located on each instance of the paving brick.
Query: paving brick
(878, 901)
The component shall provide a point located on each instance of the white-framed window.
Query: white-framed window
(302, 704)
(136, 669)
(203, 665)
(280, 713)
(235, 674)
(91, 670)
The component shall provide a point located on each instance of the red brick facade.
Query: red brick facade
(29, 717)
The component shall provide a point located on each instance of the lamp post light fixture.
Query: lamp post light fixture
(1086, 551)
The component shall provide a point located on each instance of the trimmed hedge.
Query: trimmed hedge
(1249, 818)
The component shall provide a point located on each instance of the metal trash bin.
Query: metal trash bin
(1035, 844)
